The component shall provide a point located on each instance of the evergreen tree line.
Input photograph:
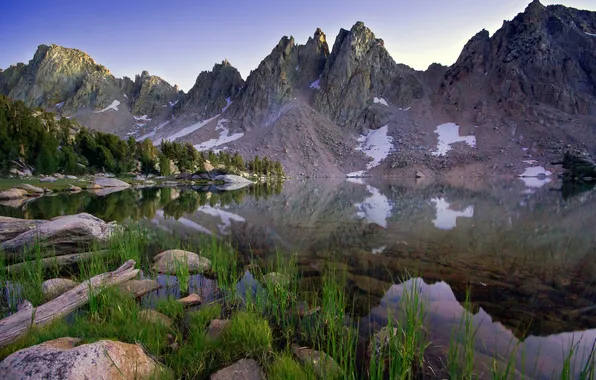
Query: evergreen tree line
(37, 138)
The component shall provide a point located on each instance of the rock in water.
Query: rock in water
(54, 287)
(32, 189)
(167, 262)
(12, 227)
(62, 359)
(192, 300)
(245, 369)
(13, 193)
(74, 189)
(323, 365)
(139, 288)
(110, 182)
(231, 178)
(66, 234)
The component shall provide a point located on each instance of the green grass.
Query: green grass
(264, 325)
(59, 185)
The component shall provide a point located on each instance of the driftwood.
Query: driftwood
(59, 261)
(17, 325)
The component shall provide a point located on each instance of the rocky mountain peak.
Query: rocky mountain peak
(359, 69)
(213, 91)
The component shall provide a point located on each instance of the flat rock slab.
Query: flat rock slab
(245, 369)
(192, 300)
(32, 189)
(66, 234)
(139, 288)
(155, 317)
(13, 193)
(169, 261)
(54, 287)
(231, 178)
(110, 182)
(62, 359)
(13, 227)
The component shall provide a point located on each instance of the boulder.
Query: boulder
(47, 191)
(32, 189)
(93, 186)
(74, 189)
(323, 365)
(192, 300)
(12, 227)
(149, 182)
(63, 359)
(245, 369)
(58, 175)
(55, 287)
(153, 316)
(419, 174)
(216, 328)
(65, 234)
(231, 178)
(71, 177)
(139, 288)
(48, 179)
(13, 193)
(110, 182)
(167, 262)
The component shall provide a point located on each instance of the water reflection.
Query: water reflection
(528, 258)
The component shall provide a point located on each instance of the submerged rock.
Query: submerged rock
(110, 182)
(245, 369)
(139, 288)
(55, 287)
(167, 262)
(323, 365)
(13, 193)
(62, 359)
(65, 234)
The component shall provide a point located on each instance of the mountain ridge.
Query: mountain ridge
(527, 91)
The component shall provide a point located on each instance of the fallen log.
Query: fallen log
(17, 325)
(59, 261)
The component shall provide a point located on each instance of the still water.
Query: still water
(524, 251)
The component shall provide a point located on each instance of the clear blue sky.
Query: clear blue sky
(178, 39)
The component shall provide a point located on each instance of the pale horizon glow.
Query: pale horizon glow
(178, 40)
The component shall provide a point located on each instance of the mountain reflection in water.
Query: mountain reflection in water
(525, 253)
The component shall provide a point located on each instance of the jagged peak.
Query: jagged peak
(320, 36)
(145, 73)
(534, 6)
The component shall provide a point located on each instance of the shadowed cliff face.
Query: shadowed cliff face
(545, 55)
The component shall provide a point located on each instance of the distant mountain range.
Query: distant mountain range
(521, 96)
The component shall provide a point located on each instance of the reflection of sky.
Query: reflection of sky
(444, 315)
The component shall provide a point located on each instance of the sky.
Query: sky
(178, 39)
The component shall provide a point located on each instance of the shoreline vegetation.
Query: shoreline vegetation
(216, 310)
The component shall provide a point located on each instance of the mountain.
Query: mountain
(516, 99)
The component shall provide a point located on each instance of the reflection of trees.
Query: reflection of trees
(136, 204)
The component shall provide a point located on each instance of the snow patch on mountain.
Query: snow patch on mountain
(449, 134)
(142, 118)
(188, 130)
(153, 132)
(113, 106)
(535, 171)
(228, 102)
(377, 144)
(315, 85)
(224, 137)
(380, 101)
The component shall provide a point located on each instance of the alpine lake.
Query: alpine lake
(510, 262)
